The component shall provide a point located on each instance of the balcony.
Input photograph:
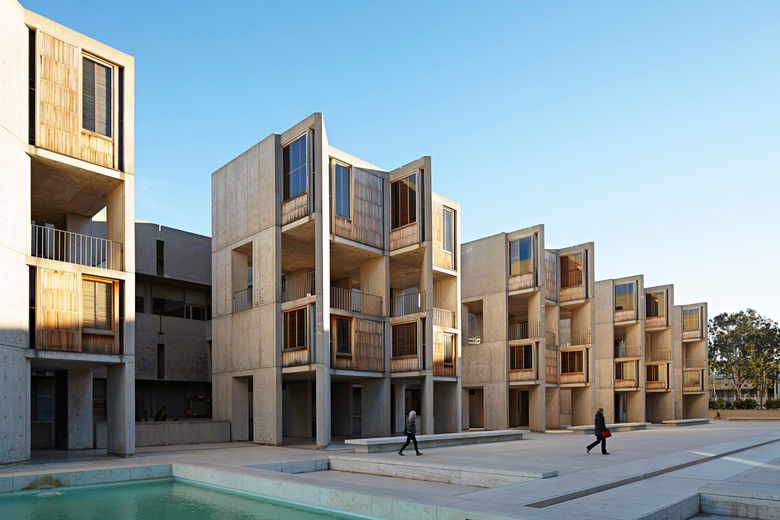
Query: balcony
(297, 287)
(626, 375)
(570, 338)
(574, 366)
(691, 335)
(655, 322)
(75, 248)
(520, 281)
(404, 236)
(522, 363)
(242, 300)
(410, 303)
(625, 315)
(352, 300)
(443, 318)
(524, 330)
(693, 381)
(627, 351)
(657, 377)
(575, 292)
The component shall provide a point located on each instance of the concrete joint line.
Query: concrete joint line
(624, 482)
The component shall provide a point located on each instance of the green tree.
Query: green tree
(745, 346)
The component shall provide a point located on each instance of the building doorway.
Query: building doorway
(476, 408)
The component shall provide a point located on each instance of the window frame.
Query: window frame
(335, 334)
(114, 97)
(621, 364)
(451, 220)
(286, 332)
(662, 308)
(335, 164)
(112, 285)
(579, 361)
(633, 294)
(306, 161)
(581, 270)
(657, 374)
(513, 357)
(395, 206)
(411, 325)
(530, 257)
(452, 340)
(697, 312)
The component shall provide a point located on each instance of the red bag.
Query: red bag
(606, 433)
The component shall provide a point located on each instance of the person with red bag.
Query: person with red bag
(601, 433)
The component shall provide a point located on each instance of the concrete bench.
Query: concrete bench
(618, 427)
(382, 444)
(687, 422)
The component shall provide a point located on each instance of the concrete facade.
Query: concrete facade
(68, 295)
(336, 290)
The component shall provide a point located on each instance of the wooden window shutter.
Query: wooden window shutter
(88, 304)
(96, 97)
(88, 94)
(102, 306)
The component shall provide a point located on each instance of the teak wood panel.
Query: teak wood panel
(59, 78)
(295, 208)
(369, 353)
(294, 357)
(575, 292)
(655, 385)
(405, 364)
(58, 311)
(342, 227)
(627, 315)
(551, 365)
(576, 377)
(527, 374)
(440, 368)
(97, 150)
(655, 322)
(521, 281)
(691, 334)
(404, 236)
(367, 210)
(441, 258)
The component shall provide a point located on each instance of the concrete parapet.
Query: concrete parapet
(617, 427)
(382, 444)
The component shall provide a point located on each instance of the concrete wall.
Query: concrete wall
(187, 256)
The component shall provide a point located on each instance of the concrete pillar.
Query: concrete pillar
(552, 408)
(80, 410)
(14, 405)
(376, 407)
(447, 409)
(399, 391)
(323, 405)
(341, 409)
(239, 413)
(120, 409)
(267, 406)
(536, 404)
(428, 403)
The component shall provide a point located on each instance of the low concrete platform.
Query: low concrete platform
(617, 427)
(687, 422)
(756, 500)
(385, 444)
(413, 468)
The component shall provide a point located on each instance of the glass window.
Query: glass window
(139, 297)
(448, 229)
(449, 348)
(653, 374)
(624, 296)
(521, 256)
(571, 362)
(96, 97)
(691, 378)
(343, 336)
(571, 270)
(168, 301)
(405, 339)
(691, 319)
(96, 304)
(403, 201)
(294, 168)
(521, 358)
(655, 304)
(625, 370)
(295, 329)
(341, 190)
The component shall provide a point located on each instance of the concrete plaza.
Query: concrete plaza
(654, 473)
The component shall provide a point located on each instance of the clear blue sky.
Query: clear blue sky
(650, 128)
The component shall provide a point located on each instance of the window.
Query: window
(403, 201)
(341, 190)
(343, 336)
(294, 168)
(521, 256)
(653, 374)
(448, 229)
(521, 358)
(624, 296)
(449, 348)
(160, 361)
(160, 258)
(571, 270)
(168, 301)
(139, 297)
(405, 340)
(195, 306)
(691, 319)
(96, 97)
(625, 370)
(655, 304)
(96, 298)
(692, 378)
(572, 362)
(295, 329)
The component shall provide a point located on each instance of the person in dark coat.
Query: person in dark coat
(410, 430)
(599, 427)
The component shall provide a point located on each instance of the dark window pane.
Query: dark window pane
(521, 256)
(403, 201)
(294, 168)
(343, 336)
(624, 296)
(571, 270)
(88, 94)
(342, 191)
(405, 339)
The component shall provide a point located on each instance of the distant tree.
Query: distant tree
(745, 346)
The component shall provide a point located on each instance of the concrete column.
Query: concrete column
(447, 411)
(80, 410)
(376, 407)
(267, 406)
(323, 406)
(426, 414)
(341, 409)
(399, 390)
(120, 408)
(14, 405)
(239, 412)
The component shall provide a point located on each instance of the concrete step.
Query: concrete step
(617, 427)
(756, 500)
(385, 444)
(416, 468)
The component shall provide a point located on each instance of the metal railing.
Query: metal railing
(75, 248)
(300, 286)
(577, 337)
(627, 351)
(409, 303)
(355, 301)
(443, 318)
(526, 330)
(242, 300)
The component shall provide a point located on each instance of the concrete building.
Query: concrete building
(662, 342)
(66, 152)
(173, 323)
(527, 350)
(692, 361)
(336, 294)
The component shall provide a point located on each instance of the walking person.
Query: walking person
(410, 430)
(599, 427)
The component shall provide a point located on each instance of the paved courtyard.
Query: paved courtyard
(647, 471)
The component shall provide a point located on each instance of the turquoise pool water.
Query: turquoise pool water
(168, 499)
